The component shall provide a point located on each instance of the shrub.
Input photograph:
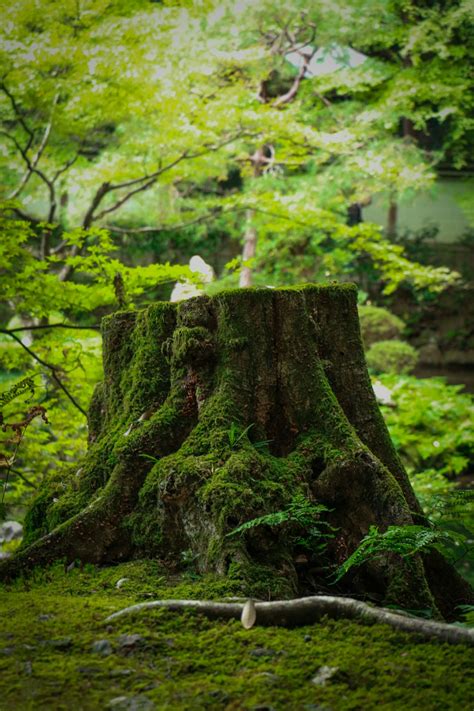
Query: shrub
(391, 357)
(378, 324)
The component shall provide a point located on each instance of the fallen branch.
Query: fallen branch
(306, 611)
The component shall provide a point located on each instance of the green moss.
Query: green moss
(378, 324)
(191, 345)
(186, 662)
(392, 357)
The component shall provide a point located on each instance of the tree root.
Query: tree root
(307, 610)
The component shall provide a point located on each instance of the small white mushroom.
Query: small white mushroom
(249, 614)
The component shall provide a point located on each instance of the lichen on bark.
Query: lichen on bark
(219, 410)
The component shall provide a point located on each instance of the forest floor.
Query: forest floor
(56, 652)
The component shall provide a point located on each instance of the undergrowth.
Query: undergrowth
(52, 621)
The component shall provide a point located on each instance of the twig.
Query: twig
(206, 218)
(95, 327)
(50, 367)
(23, 478)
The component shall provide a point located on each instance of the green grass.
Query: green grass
(49, 623)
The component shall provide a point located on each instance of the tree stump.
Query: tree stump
(216, 411)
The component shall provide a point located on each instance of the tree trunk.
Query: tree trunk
(216, 411)
(249, 251)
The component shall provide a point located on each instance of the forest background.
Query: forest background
(136, 134)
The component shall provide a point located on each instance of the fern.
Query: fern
(14, 391)
(300, 514)
(406, 541)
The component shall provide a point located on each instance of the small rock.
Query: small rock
(89, 671)
(323, 675)
(267, 676)
(120, 583)
(262, 652)
(10, 531)
(131, 703)
(45, 618)
(130, 642)
(307, 638)
(121, 672)
(102, 647)
(63, 643)
(7, 651)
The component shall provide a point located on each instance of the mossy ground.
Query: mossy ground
(50, 622)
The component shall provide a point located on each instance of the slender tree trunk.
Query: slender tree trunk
(392, 217)
(216, 411)
(249, 251)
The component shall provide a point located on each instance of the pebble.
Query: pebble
(131, 703)
(102, 647)
(262, 652)
(129, 642)
(88, 670)
(121, 672)
(267, 676)
(323, 675)
(63, 643)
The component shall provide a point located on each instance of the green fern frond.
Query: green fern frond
(405, 541)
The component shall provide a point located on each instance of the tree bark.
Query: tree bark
(216, 411)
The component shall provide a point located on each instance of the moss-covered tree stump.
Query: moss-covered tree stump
(220, 410)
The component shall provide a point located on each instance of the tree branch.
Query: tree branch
(50, 325)
(51, 368)
(205, 218)
(308, 610)
(30, 164)
(23, 478)
(38, 154)
(290, 95)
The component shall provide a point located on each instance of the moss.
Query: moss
(35, 523)
(191, 345)
(378, 324)
(392, 357)
(186, 662)
(284, 370)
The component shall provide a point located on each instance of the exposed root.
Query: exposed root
(307, 610)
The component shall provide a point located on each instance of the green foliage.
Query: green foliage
(378, 324)
(237, 436)
(405, 541)
(93, 150)
(300, 514)
(391, 357)
(26, 385)
(431, 427)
